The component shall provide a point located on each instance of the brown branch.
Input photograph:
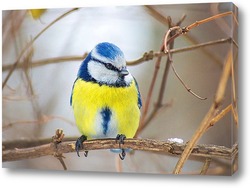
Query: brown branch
(205, 166)
(57, 149)
(197, 23)
(222, 113)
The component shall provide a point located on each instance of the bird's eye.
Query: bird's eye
(109, 66)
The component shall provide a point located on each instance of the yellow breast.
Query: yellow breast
(88, 99)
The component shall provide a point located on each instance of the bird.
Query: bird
(105, 98)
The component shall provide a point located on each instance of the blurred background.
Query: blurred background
(36, 99)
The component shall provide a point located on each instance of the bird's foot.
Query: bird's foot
(79, 145)
(121, 138)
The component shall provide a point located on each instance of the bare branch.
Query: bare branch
(135, 144)
(147, 56)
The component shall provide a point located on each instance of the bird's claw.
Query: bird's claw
(121, 138)
(122, 154)
(79, 145)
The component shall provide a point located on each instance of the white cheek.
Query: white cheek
(100, 73)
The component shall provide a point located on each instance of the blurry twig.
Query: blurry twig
(209, 116)
(60, 158)
(158, 16)
(11, 25)
(205, 166)
(42, 120)
(30, 44)
(30, 89)
(118, 164)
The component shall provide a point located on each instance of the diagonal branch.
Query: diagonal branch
(209, 116)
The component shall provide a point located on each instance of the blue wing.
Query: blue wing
(82, 74)
(138, 94)
(71, 96)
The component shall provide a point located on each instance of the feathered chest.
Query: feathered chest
(92, 94)
(103, 111)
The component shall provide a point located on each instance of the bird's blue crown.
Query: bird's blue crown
(108, 50)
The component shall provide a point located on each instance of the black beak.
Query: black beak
(123, 72)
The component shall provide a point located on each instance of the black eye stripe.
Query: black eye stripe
(110, 66)
(107, 65)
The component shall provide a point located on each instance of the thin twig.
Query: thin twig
(168, 39)
(42, 120)
(157, 15)
(185, 30)
(144, 122)
(221, 115)
(10, 25)
(31, 92)
(234, 103)
(166, 71)
(31, 43)
(205, 166)
(197, 23)
(149, 96)
(60, 158)
(118, 164)
(209, 116)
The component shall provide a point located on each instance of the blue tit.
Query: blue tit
(105, 97)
